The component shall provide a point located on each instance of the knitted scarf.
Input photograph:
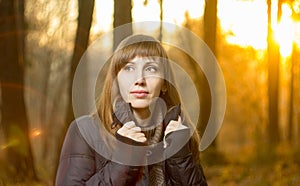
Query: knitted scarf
(123, 114)
(156, 173)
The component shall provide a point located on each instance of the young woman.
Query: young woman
(139, 134)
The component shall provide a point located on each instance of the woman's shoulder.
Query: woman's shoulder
(83, 126)
(89, 128)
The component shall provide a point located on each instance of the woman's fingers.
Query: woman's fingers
(140, 138)
(136, 135)
(126, 127)
(174, 125)
(130, 130)
(129, 124)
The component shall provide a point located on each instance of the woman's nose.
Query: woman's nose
(140, 79)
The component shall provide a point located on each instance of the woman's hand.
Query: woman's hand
(130, 130)
(171, 127)
(174, 125)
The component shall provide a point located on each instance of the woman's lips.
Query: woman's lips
(139, 93)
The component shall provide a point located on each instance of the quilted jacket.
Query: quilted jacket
(86, 160)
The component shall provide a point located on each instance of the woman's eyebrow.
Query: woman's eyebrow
(152, 62)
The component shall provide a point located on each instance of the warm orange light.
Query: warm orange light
(297, 34)
(3, 147)
(35, 133)
(11, 143)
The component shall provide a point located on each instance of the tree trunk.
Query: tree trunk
(210, 35)
(210, 24)
(161, 17)
(43, 112)
(122, 15)
(85, 17)
(273, 82)
(291, 103)
(19, 164)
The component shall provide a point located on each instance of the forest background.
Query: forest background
(42, 42)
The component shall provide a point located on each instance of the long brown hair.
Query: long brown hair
(129, 48)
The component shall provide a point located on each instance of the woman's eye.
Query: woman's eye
(128, 68)
(152, 69)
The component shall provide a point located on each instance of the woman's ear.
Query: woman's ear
(164, 89)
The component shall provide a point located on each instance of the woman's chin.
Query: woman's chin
(140, 104)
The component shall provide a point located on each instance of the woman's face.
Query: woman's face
(140, 81)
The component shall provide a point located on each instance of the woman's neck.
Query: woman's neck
(142, 116)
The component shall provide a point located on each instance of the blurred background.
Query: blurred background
(256, 44)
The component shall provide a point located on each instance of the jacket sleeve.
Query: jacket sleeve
(181, 168)
(78, 165)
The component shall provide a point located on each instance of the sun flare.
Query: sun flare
(244, 22)
(284, 32)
